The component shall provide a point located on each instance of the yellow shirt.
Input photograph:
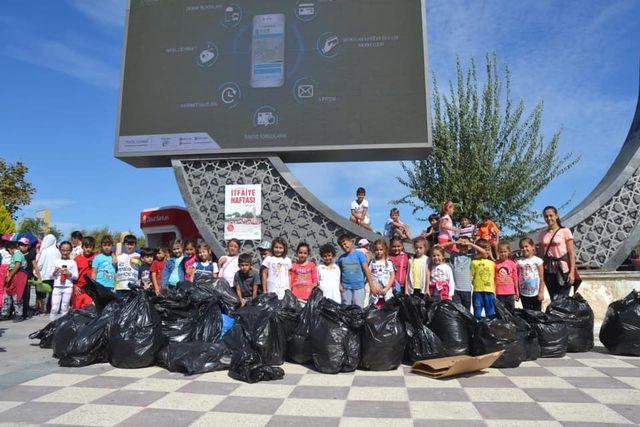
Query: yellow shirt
(482, 275)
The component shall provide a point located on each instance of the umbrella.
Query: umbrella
(32, 239)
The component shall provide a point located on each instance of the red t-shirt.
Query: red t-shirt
(84, 268)
(401, 263)
(302, 279)
(506, 277)
(157, 267)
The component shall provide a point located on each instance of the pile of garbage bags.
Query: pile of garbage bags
(620, 330)
(202, 327)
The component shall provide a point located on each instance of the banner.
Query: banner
(242, 210)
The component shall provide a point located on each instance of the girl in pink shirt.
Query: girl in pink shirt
(558, 253)
(303, 276)
(506, 276)
(446, 227)
(190, 259)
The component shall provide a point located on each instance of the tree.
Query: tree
(36, 226)
(15, 190)
(486, 157)
(99, 233)
(7, 225)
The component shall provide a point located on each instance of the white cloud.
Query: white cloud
(109, 13)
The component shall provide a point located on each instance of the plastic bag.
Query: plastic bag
(335, 339)
(208, 326)
(89, 345)
(218, 287)
(422, 343)
(454, 325)
(263, 329)
(246, 364)
(136, 333)
(194, 357)
(620, 331)
(578, 316)
(67, 329)
(383, 338)
(551, 330)
(493, 335)
(101, 295)
(299, 346)
(524, 332)
(46, 334)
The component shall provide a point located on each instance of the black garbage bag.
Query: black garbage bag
(101, 295)
(262, 327)
(620, 331)
(578, 315)
(208, 325)
(422, 343)
(46, 334)
(246, 363)
(383, 339)
(524, 332)
(135, 335)
(218, 287)
(289, 310)
(454, 325)
(178, 315)
(89, 345)
(493, 335)
(299, 345)
(335, 338)
(192, 358)
(551, 330)
(68, 327)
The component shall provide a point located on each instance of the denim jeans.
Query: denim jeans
(483, 300)
(353, 297)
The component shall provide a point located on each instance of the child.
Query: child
(229, 263)
(173, 271)
(466, 228)
(461, 264)
(103, 266)
(395, 228)
(66, 271)
(80, 299)
(531, 276)
(128, 266)
(161, 255)
(44, 260)
(419, 276)
(506, 275)
(359, 209)
(147, 256)
(443, 285)
(482, 277)
(15, 280)
(490, 232)
(354, 270)
(190, 258)
(264, 249)
(205, 266)
(76, 241)
(329, 274)
(275, 277)
(400, 261)
(303, 274)
(445, 226)
(247, 280)
(363, 246)
(431, 233)
(382, 273)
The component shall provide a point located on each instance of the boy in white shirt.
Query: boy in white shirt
(359, 209)
(127, 267)
(329, 274)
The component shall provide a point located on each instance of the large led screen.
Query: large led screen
(306, 80)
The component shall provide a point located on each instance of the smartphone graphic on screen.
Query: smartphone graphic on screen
(267, 51)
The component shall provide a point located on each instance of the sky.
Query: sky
(60, 66)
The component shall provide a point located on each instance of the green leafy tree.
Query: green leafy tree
(37, 227)
(15, 190)
(100, 232)
(7, 225)
(488, 154)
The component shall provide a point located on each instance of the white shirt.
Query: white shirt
(127, 270)
(6, 256)
(277, 274)
(329, 281)
(229, 269)
(528, 276)
(71, 267)
(358, 208)
(442, 273)
(76, 251)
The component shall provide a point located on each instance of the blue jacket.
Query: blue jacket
(168, 268)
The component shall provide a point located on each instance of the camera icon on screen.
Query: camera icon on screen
(265, 117)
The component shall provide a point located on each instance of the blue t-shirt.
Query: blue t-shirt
(105, 270)
(352, 274)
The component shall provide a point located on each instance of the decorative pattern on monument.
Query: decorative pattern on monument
(284, 212)
(600, 235)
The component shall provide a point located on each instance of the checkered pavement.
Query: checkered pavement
(580, 389)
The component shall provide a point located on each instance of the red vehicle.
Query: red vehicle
(163, 225)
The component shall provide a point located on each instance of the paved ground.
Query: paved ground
(581, 389)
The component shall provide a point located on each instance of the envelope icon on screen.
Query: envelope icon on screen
(305, 91)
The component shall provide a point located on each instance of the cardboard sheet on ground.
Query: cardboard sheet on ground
(454, 365)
